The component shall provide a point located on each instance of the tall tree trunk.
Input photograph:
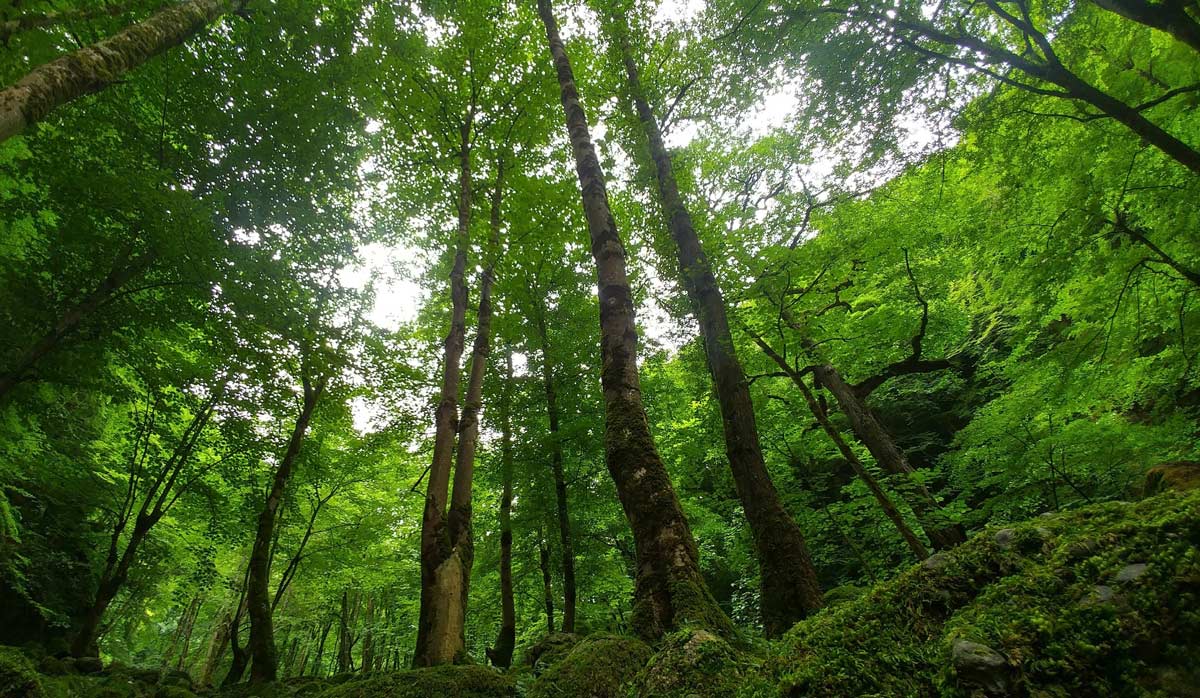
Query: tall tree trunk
(890, 458)
(216, 648)
(501, 654)
(344, 642)
(1169, 16)
(318, 667)
(889, 508)
(789, 586)
(368, 647)
(547, 582)
(92, 68)
(560, 481)
(262, 635)
(124, 270)
(440, 620)
(670, 591)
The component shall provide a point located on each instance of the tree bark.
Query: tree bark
(891, 459)
(560, 481)
(547, 583)
(501, 653)
(789, 587)
(670, 591)
(368, 647)
(124, 270)
(889, 508)
(441, 619)
(92, 68)
(262, 635)
(1169, 16)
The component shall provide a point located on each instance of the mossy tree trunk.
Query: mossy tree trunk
(547, 582)
(670, 591)
(92, 68)
(263, 654)
(789, 587)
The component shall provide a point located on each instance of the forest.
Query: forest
(599, 348)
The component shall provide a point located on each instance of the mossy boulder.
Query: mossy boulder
(1100, 601)
(461, 681)
(599, 666)
(548, 651)
(698, 664)
(18, 677)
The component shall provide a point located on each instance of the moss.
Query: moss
(1064, 600)
(600, 666)
(698, 664)
(18, 678)
(548, 651)
(462, 681)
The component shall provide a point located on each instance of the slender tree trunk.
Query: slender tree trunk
(216, 648)
(318, 667)
(501, 654)
(547, 582)
(670, 591)
(440, 622)
(889, 508)
(186, 624)
(789, 586)
(262, 635)
(1169, 16)
(560, 481)
(124, 270)
(92, 68)
(343, 655)
(891, 459)
(240, 655)
(368, 647)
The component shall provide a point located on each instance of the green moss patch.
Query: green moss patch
(1101, 601)
(699, 664)
(462, 681)
(599, 666)
(18, 678)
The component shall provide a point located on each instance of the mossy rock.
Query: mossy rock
(1100, 601)
(698, 664)
(599, 666)
(18, 677)
(548, 651)
(462, 681)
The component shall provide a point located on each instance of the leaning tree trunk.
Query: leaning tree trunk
(92, 68)
(891, 459)
(501, 654)
(670, 591)
(264, 664)
(124, 270)
(560, 481)
(789, 586)
(439, 625)
(1169, 16)
(885, 502)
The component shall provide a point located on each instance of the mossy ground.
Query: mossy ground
(599, 666)
(1101, 601)
(1056, 597)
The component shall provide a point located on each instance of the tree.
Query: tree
(92, 68)
(788, 581)
(670, 590)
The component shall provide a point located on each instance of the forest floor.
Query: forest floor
(1099, 601)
